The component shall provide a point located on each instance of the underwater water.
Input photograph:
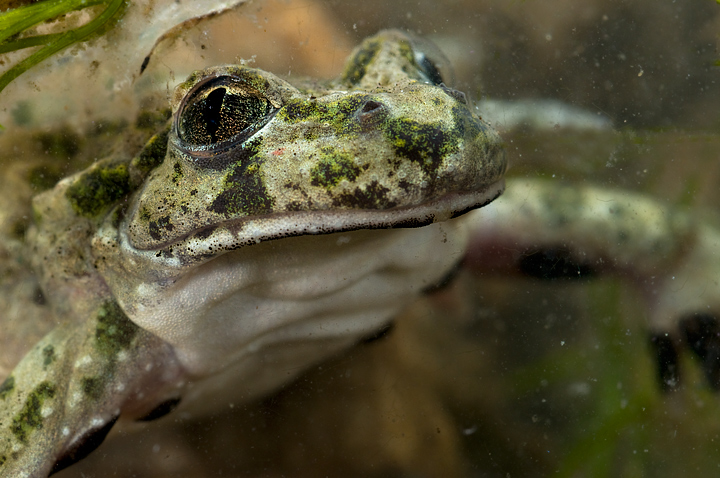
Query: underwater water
(493, 376)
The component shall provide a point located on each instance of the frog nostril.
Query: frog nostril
(371, 106)
(371, 111)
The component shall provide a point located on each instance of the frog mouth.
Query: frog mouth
(209, 242)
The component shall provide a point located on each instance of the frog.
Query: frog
(270, 225)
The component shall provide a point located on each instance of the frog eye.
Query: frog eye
(428, 68)
(431, 62)
(220, 111)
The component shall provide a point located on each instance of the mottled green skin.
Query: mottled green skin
(6, 387)
(381, 138)
(153, 153)
(355, 70)
(29, 419)
(319, 151)
(333, 167)
(114, 332)
(373, 63)
(98, 189)
(43, 395)
(44, 406)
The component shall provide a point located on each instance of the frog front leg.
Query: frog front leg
(548, 230)
(65, 395)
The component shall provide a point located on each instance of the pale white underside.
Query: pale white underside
(260, 315)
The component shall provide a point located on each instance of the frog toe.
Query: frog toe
(161, 410)
(84, 445)
(700, 332)
(702, 335)
(666, 355)
(379, 334)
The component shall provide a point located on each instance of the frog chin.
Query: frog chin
(263, 313)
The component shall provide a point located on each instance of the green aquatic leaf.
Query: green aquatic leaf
(16, 21)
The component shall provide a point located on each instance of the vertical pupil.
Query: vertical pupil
(220, 111)
(211, 113)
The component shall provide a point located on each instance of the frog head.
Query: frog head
(252, 158)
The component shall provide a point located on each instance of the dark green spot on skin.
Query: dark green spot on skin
(374, 196)
(153, 153)
(48, 354)
(157, 229)
(423, 143)
(340, 115)
(333, 166)
(177, 173)
(114, 331)
(7, 386)
(295, 206)
(357, 65)
(98, 189)
(410, 67)
(244, 193)
(3, 459)
(92, 387)
(406, 51)
(467, 126)
(30, 417)
(145, 214)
